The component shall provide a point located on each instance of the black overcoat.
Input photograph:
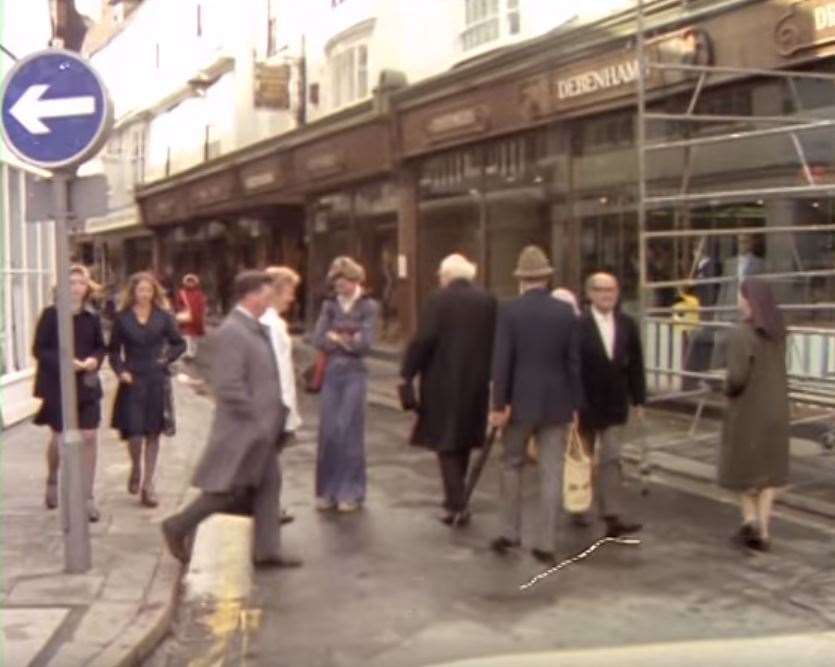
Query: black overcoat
(145, 351)
(451, 353)
(611, 385)
(88, 341)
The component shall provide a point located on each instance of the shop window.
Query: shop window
(607, 132)
(348, 66)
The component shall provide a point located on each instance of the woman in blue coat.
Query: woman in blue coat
(345, 332)
(89, 354)
(145, 340)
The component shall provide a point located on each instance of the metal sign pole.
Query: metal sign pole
(77, 553)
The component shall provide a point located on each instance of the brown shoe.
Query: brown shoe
(149, 498)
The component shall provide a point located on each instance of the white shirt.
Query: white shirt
(283, 350)
(606, 326)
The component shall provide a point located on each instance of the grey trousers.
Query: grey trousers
(264, 507)
(608, 488)
(551, 441)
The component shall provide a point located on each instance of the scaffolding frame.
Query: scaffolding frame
(811, 390)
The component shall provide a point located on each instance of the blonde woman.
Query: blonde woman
(145, 340)
(89, 354)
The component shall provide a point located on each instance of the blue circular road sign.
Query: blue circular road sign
(55, 110)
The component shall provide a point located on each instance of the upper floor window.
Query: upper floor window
(348, 66)
(486, 20)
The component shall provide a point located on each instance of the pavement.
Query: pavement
(390, 586)
(117, 612)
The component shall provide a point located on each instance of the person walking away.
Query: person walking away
(754, 455)
(536, 391)
(345, 332)
(285, 281)
(144, 341)
(612, 363)
(191, 313)
(89, 353)
(240, 458)
(451, 353)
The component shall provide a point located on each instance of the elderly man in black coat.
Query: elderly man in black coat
(613, 378)
(536, 391)
(451, 353)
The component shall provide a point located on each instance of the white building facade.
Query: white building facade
(27, 250)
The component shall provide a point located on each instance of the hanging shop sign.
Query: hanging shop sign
(272, 86)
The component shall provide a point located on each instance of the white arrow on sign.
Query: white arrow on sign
(30, 109)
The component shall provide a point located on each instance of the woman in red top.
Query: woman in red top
(191, 313)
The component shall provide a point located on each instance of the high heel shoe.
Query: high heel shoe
(149, 498)
(51, 497)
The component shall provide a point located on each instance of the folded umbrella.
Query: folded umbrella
(474, 475)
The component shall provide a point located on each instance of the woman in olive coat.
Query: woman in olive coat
(754, 456)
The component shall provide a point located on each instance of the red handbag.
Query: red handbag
(314, 375)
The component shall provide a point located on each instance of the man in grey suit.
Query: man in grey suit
(240, 460)
(536, 391)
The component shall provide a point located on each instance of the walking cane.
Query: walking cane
(474, 475)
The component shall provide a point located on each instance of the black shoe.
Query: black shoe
(277, 562)
(178, 546)
(617, 528)
(447, 519)
(580, 521)
(501, 544)
(286, 518)
(746, 533)
(543, 556)
(758, 543)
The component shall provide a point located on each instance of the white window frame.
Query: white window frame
(487, 21)
(349, 79)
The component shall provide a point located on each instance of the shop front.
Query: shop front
(353, 208)
(219, 224)
(541, 148)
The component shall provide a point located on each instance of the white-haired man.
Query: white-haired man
(452, 353)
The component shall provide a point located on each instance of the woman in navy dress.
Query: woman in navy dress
(144, 341)
(89, 354)
(345, 331)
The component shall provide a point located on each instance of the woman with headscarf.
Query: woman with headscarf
(345, 332)
(144, 342)
(754, 455)
(90, 350)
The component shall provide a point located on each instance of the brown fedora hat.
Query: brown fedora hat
(533, 263)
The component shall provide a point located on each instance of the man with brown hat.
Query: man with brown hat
(536, 391)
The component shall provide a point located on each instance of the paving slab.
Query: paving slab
(27, 631)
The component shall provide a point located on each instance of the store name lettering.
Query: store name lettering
(825, 17)
(592, 81)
